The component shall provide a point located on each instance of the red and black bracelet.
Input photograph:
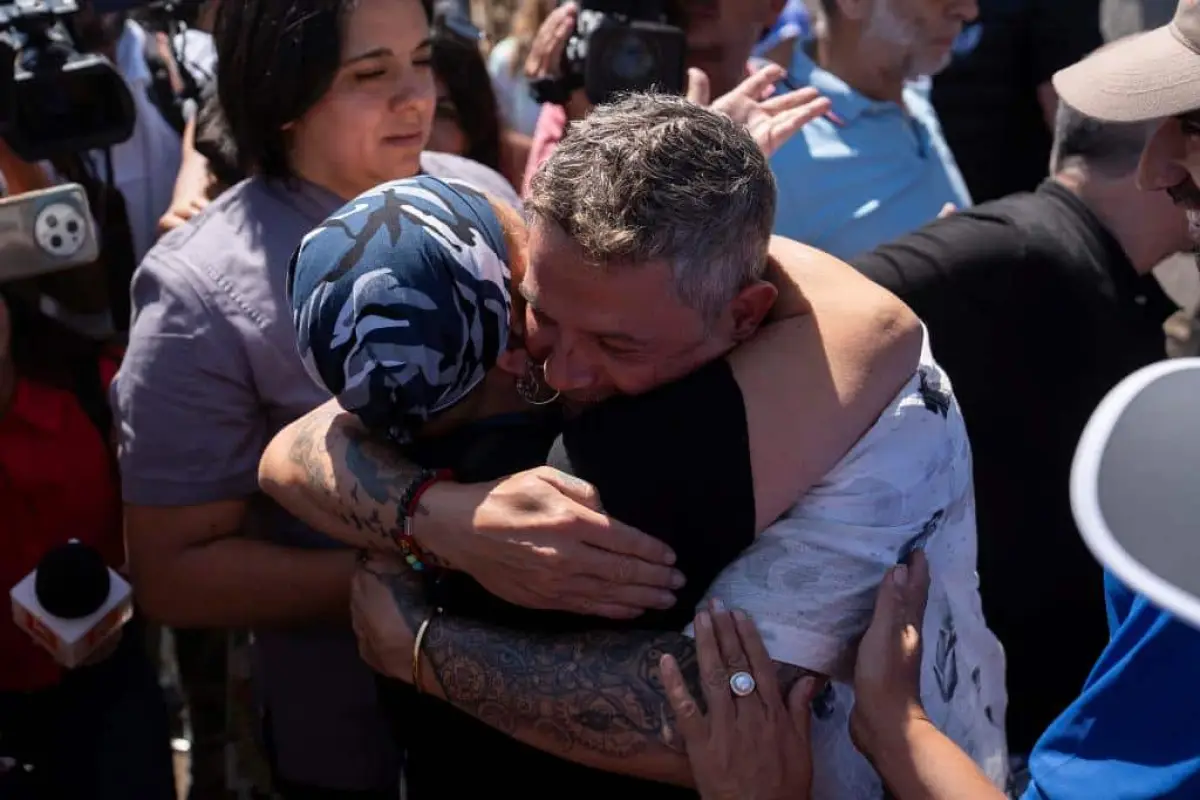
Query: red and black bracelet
(409, 502)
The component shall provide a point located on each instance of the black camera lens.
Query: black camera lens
(632, 61)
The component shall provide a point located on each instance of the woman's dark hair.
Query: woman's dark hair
(459, 65)
(275, 61)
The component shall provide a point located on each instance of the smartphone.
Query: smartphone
(49, 230)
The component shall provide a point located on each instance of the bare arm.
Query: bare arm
(192, 184)
(815, 381)
(192, 566)
(919, 762)
(594, 697)
(327, 470)
(888, 724)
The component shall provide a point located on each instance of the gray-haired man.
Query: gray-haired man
(648, 233)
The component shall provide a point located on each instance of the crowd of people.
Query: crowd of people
(460, 436)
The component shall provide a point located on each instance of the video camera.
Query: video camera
(625, 46)
(57, 100)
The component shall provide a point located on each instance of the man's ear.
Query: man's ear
(750, 308)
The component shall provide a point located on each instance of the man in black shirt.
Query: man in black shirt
(1037, 305)
(995, 100)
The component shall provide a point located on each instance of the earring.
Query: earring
(532, 388)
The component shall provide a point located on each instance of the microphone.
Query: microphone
(72, 604)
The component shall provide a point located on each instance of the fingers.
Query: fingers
(577, 489)
(727, 638)
(799, 704)
(546, 52)
(761, 83)
(761, 666)
(622, 571)
(947, 210)
(699, 89)
(790, 100)
(688, 719)
(632, 596)
(714, 677)
(915, 588)
(788, 124)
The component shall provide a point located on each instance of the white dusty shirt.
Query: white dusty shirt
(810, 581)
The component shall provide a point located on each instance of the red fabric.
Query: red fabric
(551, 126)
(57, 482)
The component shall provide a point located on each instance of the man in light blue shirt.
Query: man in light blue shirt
(877, 166)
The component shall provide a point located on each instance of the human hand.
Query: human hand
(550, 42)
(182, 209)
(382, 591)
(771, 120)
(947, 210)
(887, 677)
(755, 747)
(540, 540)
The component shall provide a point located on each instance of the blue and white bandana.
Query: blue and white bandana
(401, 301)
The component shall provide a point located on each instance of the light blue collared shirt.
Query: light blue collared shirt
(867, 173)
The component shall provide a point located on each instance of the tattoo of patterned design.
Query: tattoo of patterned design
(569, 694)
(378, 476)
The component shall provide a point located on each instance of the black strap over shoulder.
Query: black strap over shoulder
(90, 391)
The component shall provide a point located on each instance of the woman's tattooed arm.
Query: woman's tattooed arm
(592, 697)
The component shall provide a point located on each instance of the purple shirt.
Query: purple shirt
(210, 376)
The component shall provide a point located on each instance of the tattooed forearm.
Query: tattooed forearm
(352, 477)
(592, 697)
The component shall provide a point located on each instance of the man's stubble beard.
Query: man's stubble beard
(889, 28)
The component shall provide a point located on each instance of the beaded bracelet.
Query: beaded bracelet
(408, 505)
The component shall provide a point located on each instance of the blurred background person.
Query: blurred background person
(467, 120)
(506, 65)
(877, 166)
(995, 100)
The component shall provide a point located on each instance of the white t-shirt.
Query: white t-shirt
(518, 109)
(810, 582)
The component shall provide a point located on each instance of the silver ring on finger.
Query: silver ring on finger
(742, 684)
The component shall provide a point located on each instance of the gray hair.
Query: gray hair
(1109, 149)
(653, 176)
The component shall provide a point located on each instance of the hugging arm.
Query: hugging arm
(593, 697)
(837, 349)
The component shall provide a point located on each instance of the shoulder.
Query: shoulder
(445, 165)
(966, 250)
(915, 458)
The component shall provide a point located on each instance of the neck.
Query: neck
(842, 51)
(1127, 213)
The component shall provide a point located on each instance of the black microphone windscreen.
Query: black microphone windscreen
(72, 581)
